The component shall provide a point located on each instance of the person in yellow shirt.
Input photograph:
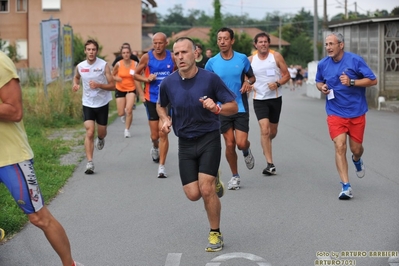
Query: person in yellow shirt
(16, 163)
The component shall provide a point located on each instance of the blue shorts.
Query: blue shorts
(20, 180)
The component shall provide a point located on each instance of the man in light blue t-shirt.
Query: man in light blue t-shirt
(235, 70)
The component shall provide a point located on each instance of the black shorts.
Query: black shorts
(199, 155)
(239, 121)
(270, 109)
(98, 114)
(122, 94)
(152, 113)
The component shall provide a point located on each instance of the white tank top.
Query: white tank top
(266, 71)
(96, 72)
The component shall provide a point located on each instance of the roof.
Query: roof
(201, 33)
(341, 23)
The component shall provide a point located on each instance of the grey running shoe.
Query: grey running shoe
(123, 119)
(359, 167)
(270, 169)
(100, 143)
(161, 172)
(234, 183)
(89, 168)
(155, 154)
(219, 186)
(249, 160)
(215, 242)
(346, 192)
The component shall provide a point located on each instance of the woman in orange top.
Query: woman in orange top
(126, 88)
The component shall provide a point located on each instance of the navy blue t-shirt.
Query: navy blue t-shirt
(189, 118)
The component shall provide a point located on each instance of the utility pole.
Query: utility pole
(346, 9)
(315, 32)
(279, 35)
(325, 15)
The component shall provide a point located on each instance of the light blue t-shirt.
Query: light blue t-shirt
(348, 101)
(232, 72)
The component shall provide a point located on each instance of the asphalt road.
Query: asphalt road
(123, 215)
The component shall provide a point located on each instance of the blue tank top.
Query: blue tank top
(161, 68)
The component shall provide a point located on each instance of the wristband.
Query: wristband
(219, 109)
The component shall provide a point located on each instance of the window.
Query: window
(22, 49)
(52, 5)
(22, 5)
(4, 5)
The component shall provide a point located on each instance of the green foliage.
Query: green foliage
(395, 11)
(216, 25)
(10, 50)
(79, 49)
(300, 52)
(243, 43)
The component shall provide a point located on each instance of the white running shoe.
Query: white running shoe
(234, 183)
(155, 154)
(161, 171)
(100, 143)
(127, 133)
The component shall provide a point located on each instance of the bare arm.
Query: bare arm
(110, 86)
(285, 75)
(11, 101)
(226, 109)
(76, 80)
(165, 119)
(140, 69)
(115, 73)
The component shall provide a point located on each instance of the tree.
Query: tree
(216, 25)
(395, 11)
(79, 49)
(243, 43)
(10, 50)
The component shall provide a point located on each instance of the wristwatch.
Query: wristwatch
(278, 84)
(250, 83)
(352, 82)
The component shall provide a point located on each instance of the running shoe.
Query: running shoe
(89, 168)
(2, 234)
(359, 167)
(100, 143)
(155, 154)
(215, 242)
(161, 172)
(234, 183)
(249, 160)
(219, 186)
(127, 133)
(270, 169)
(346, 192)
(123, 119)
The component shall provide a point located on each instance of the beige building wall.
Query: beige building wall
(110, 22)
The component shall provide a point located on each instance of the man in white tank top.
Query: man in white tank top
(271, 73)
(97, 84)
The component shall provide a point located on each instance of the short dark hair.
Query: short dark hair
(262, 34)
(230, 31)
(186, 38)
(199, 46)
(91, 41)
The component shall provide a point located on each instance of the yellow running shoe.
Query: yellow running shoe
(215, 242)
(219, 186)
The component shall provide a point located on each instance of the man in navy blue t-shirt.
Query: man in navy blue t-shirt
(193, 94)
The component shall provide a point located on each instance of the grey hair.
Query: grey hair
(339, 36)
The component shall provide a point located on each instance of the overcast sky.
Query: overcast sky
(258, 9)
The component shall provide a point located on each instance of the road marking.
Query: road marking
(225, 257)
(173, 259)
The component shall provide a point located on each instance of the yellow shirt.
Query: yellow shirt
(14, 146)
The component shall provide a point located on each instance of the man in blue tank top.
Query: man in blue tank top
(235, 70)
(156, 65)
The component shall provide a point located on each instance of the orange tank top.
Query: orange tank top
(126, 73)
